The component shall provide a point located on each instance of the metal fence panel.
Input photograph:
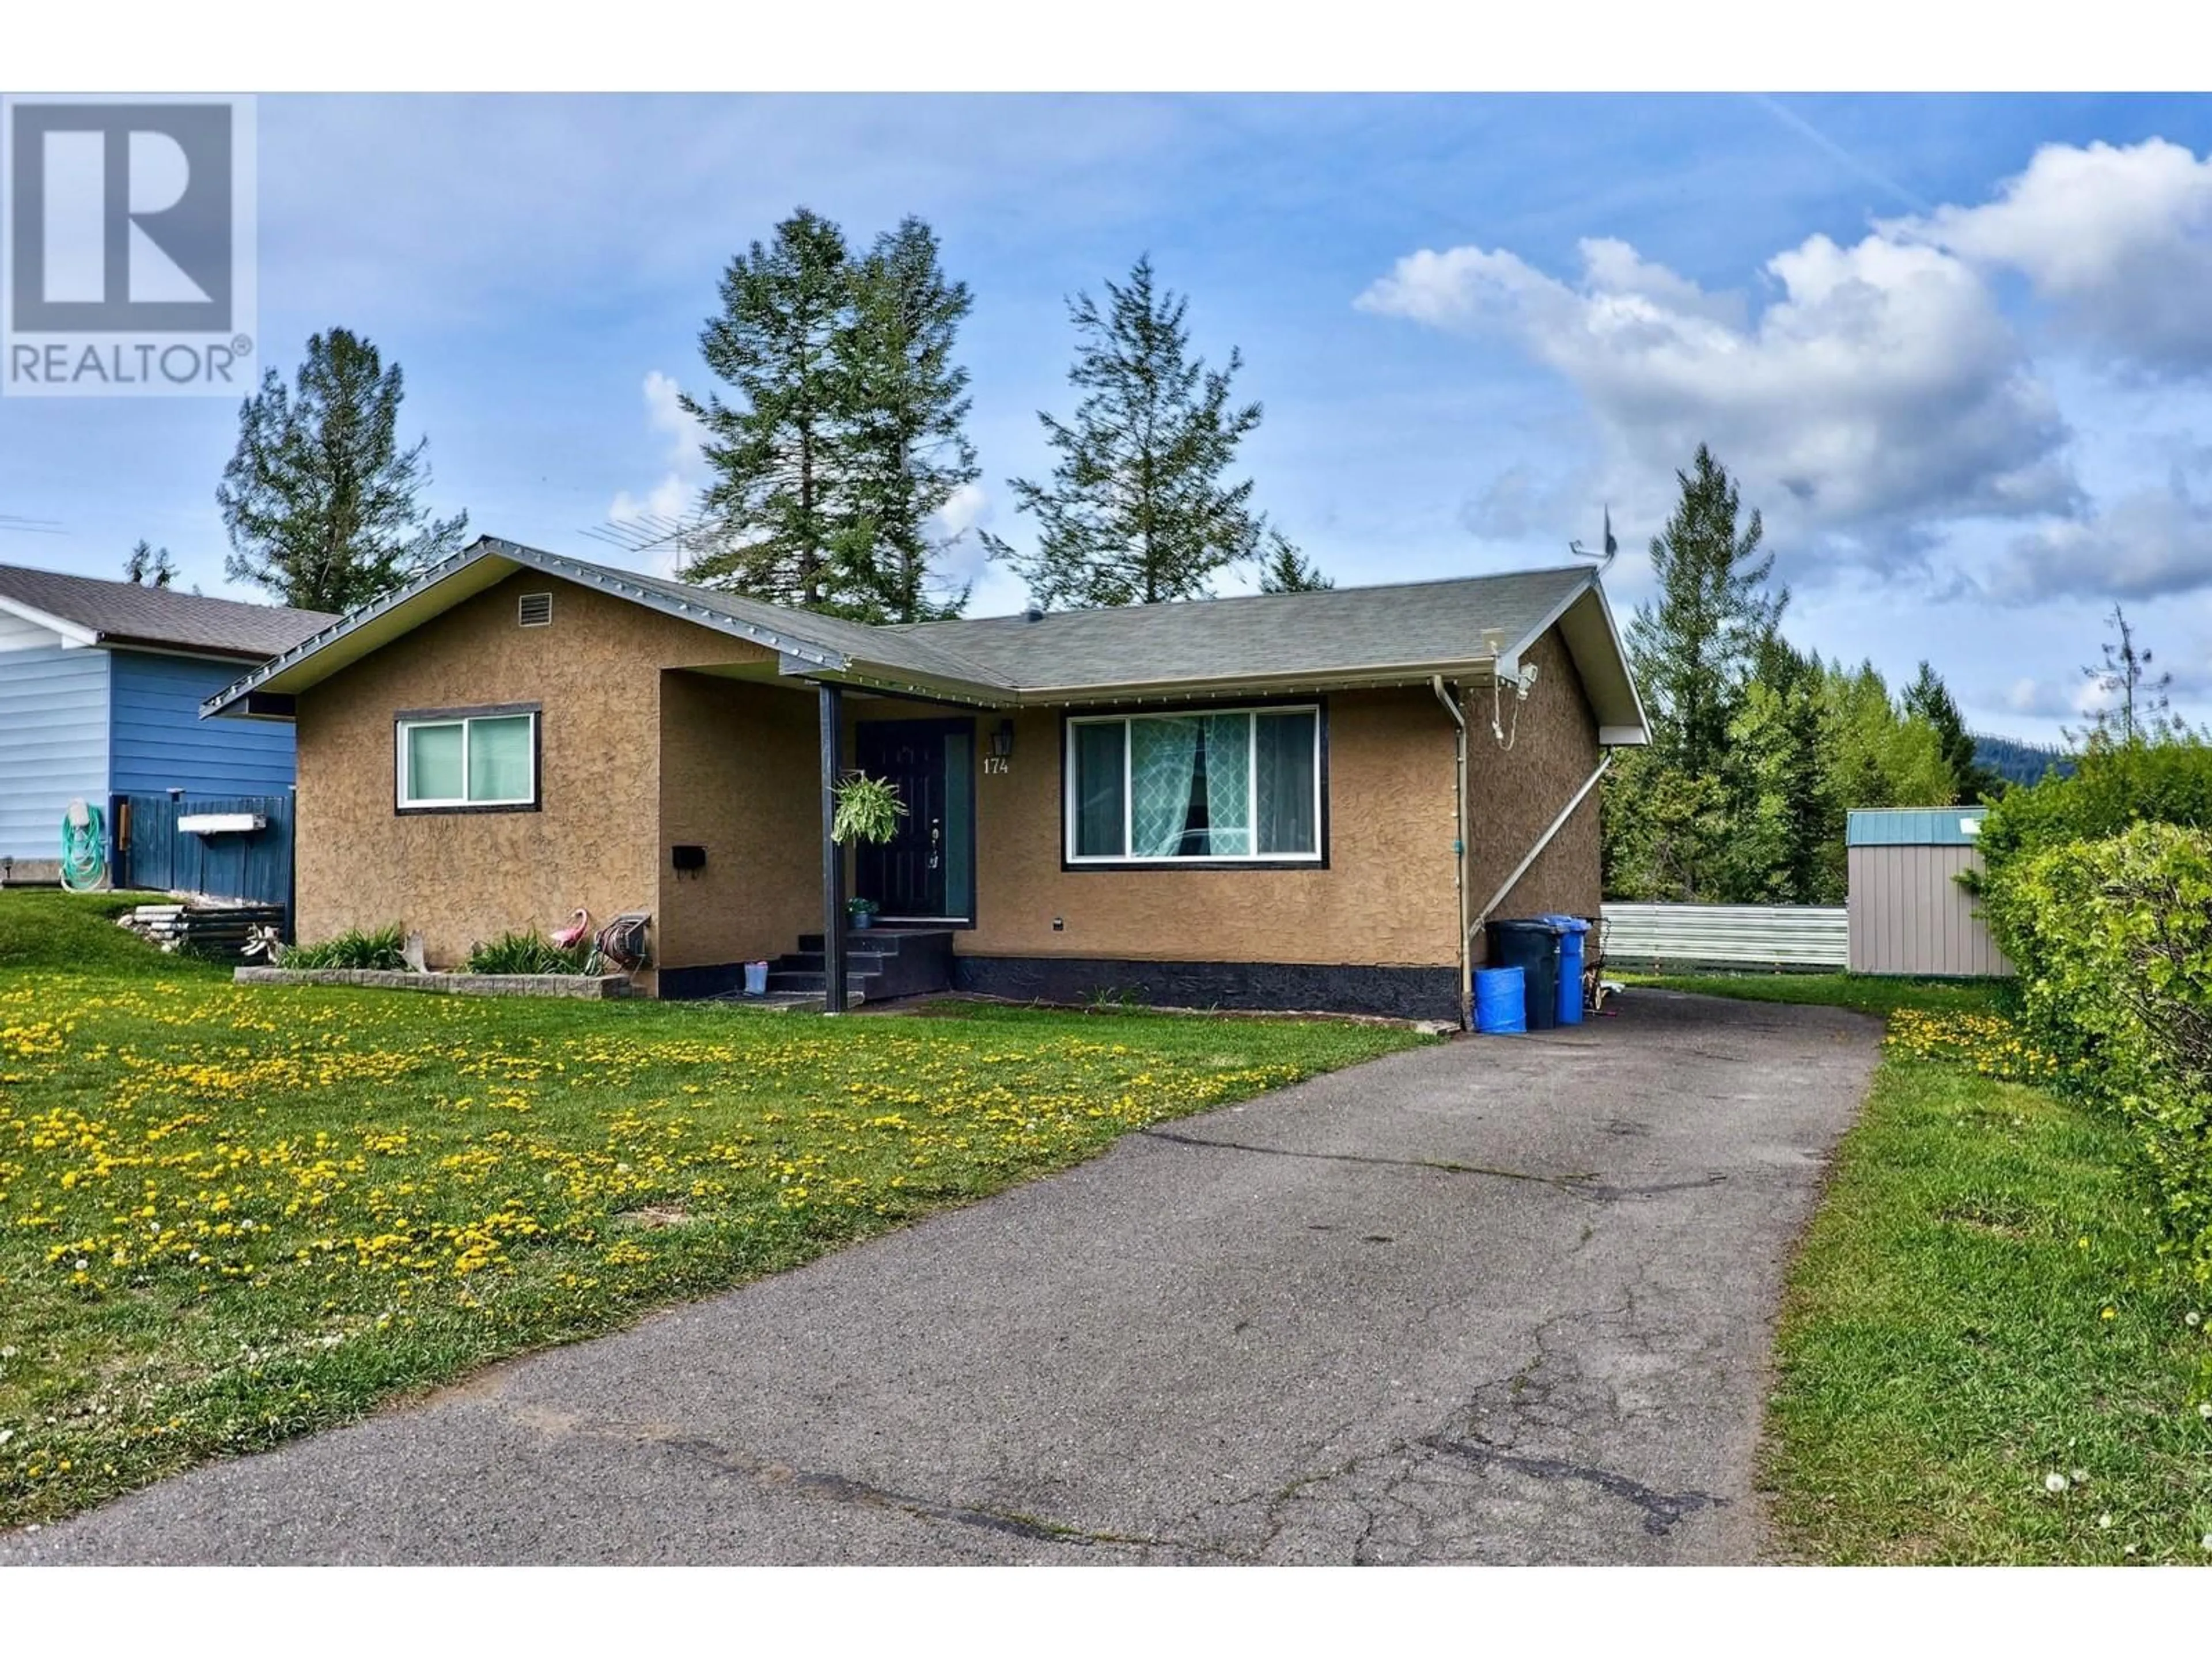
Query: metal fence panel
(1808, 937)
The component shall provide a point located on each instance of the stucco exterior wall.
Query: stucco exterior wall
(1513, 794)
(740, 768)
(1385, 897)
(459, 878)
(639, 756)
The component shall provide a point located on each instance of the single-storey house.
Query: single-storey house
(101, 687)
(1303, 800)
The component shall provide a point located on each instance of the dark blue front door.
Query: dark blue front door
(927, 871)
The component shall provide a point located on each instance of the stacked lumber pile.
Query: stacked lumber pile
(220, 930)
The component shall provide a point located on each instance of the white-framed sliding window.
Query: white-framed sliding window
(459, 760)
(1189, 786)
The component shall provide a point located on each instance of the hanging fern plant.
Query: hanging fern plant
(868, 809)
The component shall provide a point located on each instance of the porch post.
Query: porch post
(833, 856)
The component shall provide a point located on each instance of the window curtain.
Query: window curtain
(1163, 761)
(1098, 791)
(1229, 786)
(433, 762)
(1285, 767)
(499, 758)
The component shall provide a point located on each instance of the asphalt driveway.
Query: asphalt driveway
(1499, 1300)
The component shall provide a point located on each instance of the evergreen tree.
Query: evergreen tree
(320, 500)
(907, 451)
(779, 525)
(2144, 710)
(1695, 648)
(1695, 644)
(1782, 812)
(148, 565)
(1930, 699)
(1288, 571)
(1137, 509)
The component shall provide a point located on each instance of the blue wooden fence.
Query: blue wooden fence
(152, 853)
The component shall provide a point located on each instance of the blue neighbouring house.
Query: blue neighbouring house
(100, 686)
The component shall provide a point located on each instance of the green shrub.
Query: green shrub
(2113, 942)
(385, 948)
(526, 952)
(2113, 787)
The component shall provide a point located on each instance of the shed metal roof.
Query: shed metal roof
(1915, 826)
(94, 611)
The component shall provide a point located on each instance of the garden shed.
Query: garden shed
(1908, 913)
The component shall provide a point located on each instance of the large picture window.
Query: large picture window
(451, 761)
(1239, 785)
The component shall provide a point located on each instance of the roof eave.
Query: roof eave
(1294, 680)
(279, 673)
(72, 633)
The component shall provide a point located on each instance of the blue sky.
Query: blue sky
(1955, 347)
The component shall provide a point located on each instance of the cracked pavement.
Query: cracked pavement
(1498, 1300)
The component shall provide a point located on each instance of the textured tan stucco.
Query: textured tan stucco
(739, 775)
(1514, 795)
(459, 877)
(638, 756)
(1385, 897)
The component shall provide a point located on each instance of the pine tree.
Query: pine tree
(2143, 709)
(907, 452)
(1930, 699)
(1694, 647)
(1781, 812)
(320, 500)
(779, 526)
(1136, 510)
(1287, 571)
(148, 565)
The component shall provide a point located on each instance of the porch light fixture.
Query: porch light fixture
(1002, 740)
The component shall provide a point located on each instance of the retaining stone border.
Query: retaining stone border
(595, 987)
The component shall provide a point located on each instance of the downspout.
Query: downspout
(1535, 852)
(1459, 849)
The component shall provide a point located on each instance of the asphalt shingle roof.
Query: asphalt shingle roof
(1337, 630)
(129, 613)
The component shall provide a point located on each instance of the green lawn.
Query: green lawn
(1977, 1308)
(1865, 992)
(230, 1214)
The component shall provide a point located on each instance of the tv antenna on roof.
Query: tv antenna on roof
(655, 532)
(1612, 547)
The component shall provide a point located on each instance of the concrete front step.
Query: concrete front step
(799, 980)
(790, 1002)
(886, 962)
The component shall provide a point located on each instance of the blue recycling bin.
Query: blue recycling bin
(1500, 1001)
(1571, 930)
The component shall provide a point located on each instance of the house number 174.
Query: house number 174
(995, 765)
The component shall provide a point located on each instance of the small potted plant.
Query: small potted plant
(860, 912)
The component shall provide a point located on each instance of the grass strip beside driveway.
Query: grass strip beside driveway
(231, 1214)
(1982, 1357)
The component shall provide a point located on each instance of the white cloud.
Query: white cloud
(677, 491)
(1879, 388)
(2149, 543)
(2119, 238)
(965, 508)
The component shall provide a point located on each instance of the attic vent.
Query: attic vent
(536, 609)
